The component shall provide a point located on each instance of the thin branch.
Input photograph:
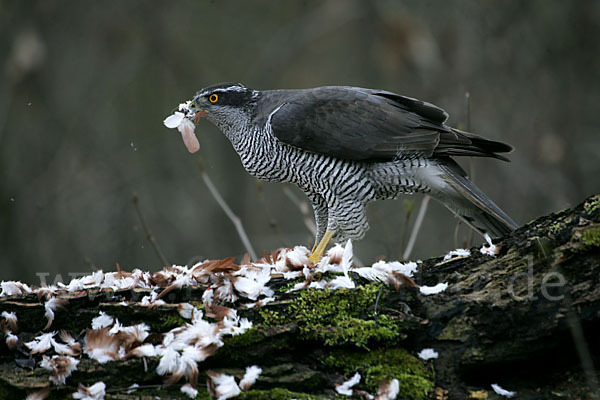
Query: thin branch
(271, 220)
(583, 350)
(304, 210)
(471, 236)
(149, 235)
(409, 206)
(377, 305)
(416, 227)
(141, 387)
(234, 218)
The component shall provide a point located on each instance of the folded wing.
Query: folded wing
(364, 124)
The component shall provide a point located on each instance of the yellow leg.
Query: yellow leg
(317, 253)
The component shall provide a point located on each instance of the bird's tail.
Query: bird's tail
(473, 206)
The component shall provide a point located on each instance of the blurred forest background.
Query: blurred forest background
(85, 86)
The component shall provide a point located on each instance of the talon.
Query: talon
(317, 252)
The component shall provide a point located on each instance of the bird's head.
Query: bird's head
(227, 105)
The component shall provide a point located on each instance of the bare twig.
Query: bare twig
(583, 351)
(456, 230)
(416, 227)
(377, 305)
(234, 218)
(409, 206)
(304, 210)
(272, 221)
(149, 235)
(471, 236)
(141, 387)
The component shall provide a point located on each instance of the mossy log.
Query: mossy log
(527, 319)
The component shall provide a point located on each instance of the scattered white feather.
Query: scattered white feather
(9, 316)
(298, 286)
(207, 296)
(341, 282)
(61, 367)
(264, 301)
(502, 392)
(336, 252)
(116, 327)
(168, 362)
(298, 256)
(317, 285)
(427, 354)
(346, 387)
(11, 340)
(41, 343)
(102, 321)
(457, 253)
(388, 391)
(491, 249)
(67, 338)
(407, 269)
(11, 320)
(50, 306)
(225, 292)
(235, 326)
(63, 349)
(429, 290)
(248, 287)
(189, 391)
(347, 255)
(250, 377)
(292, 275)
(136, 333)
(188, 362)
(101, 345)
(11, 288)
(145, 350)
(132, 388)
(224, 386)
(306, 272)
(94, 392)
(186, 310)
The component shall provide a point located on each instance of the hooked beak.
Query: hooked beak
(199, 114)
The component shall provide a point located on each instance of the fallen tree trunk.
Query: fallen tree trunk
(527, 319)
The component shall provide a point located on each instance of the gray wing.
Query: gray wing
(365, 124)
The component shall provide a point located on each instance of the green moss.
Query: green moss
(203, 394)
(279, 394)
(290, 284)
(166, 323)
(459, 328)
(337, 317)
(474, 354)
(591, 237)
(272, 317)
(592, 204)
(416, 380)
(557, 227)
(248, 338)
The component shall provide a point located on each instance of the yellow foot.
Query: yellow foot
(317, 252)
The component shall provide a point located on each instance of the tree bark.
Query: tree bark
(527, 319)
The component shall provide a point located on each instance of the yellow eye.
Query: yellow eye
(213, 98)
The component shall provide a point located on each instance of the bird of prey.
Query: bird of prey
(347, 146)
